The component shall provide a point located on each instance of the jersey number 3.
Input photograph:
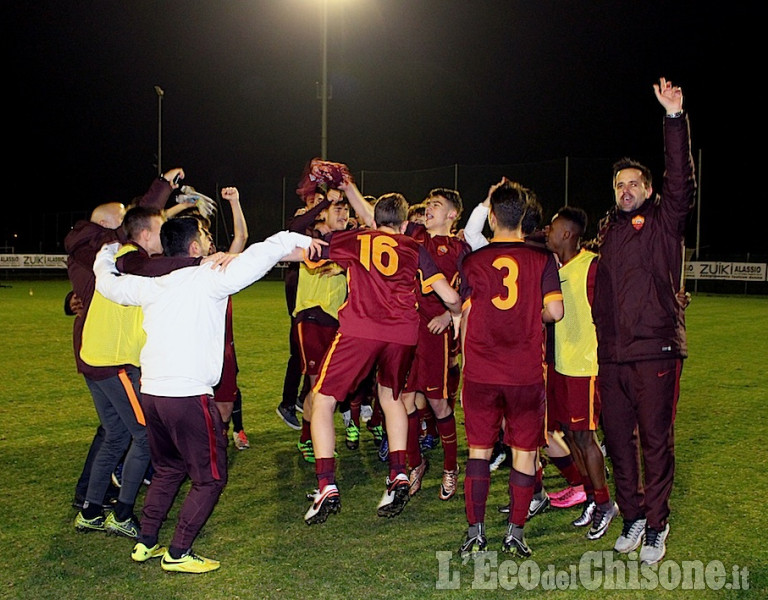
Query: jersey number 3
(380, 254)
(509, 281)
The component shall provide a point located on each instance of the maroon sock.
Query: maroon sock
(602, 495)
(396, 463)
(306, 432)
(520, 492)
(538, 483)
(477, 483)
(447, 428)
(377, 418)
(413, 451)
(567, 469)
(354, 409)
(325, 469)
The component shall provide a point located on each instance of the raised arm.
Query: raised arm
(473, 230)
(238, 219)
(361, 207)
(161, 188)
(678, 194)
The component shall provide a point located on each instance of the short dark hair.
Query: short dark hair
(137, 219)
(416, 209)
(390, 210)
(574, 215)
(452, 196)
(629, 163)
(194, 213)
(508, 204)
(177, 234)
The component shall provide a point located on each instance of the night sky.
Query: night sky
(415, 84)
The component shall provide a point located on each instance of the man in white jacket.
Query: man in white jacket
(184, 317)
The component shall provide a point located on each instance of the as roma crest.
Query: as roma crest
(638, 221)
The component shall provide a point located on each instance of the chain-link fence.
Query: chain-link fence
(582, 182)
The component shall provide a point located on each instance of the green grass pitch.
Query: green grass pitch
(257, 530)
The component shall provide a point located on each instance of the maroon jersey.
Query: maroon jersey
(506, 284)
(447, 251)
(383, 271)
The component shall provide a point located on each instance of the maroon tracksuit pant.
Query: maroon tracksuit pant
(186, 438)
(638, 418)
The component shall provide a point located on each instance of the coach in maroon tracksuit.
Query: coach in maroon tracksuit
(641, 329)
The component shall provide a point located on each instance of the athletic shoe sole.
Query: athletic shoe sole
(394, 500)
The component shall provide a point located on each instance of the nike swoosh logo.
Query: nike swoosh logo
(663, 373)
(578, 420)
(432, 389)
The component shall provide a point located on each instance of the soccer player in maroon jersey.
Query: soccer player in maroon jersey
(378, 325)
(504, 286)
(428, 377)
(319, 295)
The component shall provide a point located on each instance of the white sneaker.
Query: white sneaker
(395, 497)
(655, 545)
(241, 440)
(601, 519)
(537, 505)
(632, 535)
(324, 503)
(585, 518)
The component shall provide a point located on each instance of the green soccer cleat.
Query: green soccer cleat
(129, 528)
(353, 436)
(85, 525)
(377, 431)
(188, 563)
(142, 554)
(307, 451)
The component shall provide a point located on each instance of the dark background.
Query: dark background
(416, 85)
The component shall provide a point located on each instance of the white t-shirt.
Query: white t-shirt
(184, 312)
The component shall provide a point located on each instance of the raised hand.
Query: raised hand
(669, 96)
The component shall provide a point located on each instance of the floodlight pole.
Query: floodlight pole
(324, 87)
(160, 93)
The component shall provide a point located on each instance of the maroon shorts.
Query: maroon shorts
(553, 419)
(314, 340)
(429, 371)
(350, 359)
(226, 389)
(520, 407)
(576, 400)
